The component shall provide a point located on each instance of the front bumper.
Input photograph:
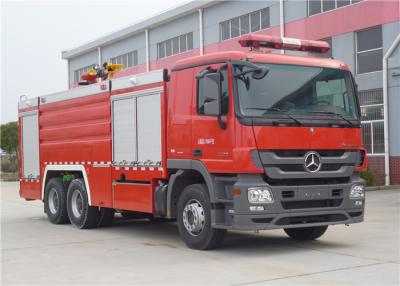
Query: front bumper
(294, 206)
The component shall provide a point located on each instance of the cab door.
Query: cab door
(212, 144)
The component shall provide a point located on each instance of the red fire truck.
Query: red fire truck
(241, 140)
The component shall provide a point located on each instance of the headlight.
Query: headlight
(357, 192)
(260, 196)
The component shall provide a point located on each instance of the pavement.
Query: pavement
(33, 251)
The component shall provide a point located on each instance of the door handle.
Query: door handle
(197, 153)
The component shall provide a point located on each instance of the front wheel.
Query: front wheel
(194, 219)
(306, 233)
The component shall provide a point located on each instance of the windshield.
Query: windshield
(296, 90)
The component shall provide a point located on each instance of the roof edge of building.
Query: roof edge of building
(152, 22)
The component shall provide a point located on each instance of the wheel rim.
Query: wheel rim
(77, 203)
(53, 201)
(193, 217)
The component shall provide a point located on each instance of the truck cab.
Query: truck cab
(274, 138)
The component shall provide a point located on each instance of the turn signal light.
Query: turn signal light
(236, 192)
(363, 161)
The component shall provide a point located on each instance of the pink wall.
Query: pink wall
(367, 13)
(344, 20)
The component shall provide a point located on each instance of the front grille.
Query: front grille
(311, 219)
(291, 164)
(300, 167)
(328, 203)
(332, 167)
(337, 192)
(301, 153)
(291, 167)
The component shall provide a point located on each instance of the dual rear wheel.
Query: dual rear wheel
(63, 206)
(193, 212)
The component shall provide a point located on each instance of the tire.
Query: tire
(106, 217)
(80, 213)
(194, 219)
(55, 201)
(306, 233)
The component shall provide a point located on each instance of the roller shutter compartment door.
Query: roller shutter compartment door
(124, 130)
(30, 146)
(149, 128)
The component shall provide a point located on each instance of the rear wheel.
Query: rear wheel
(306, 233)
(80, 213)
(55, 201)
(194, 219)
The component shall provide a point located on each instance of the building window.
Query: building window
(328, 5)
(369, 50)
(371, 103)
(342, 3)
(314, 7)
(79, 72)
(319, 6)
(244, 24)
(175, 45)
(128, 60)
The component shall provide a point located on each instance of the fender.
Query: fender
(188, 164)
(79, 168)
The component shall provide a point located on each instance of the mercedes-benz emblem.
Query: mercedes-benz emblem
(312, 162)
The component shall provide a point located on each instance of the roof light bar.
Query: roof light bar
(264, 41)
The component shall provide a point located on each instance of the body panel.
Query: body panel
(179, 115)
(135, 197)
(75, 131)
(268, 137)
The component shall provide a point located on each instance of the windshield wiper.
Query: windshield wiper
(256, 71)
(279, 110)
(333, 113)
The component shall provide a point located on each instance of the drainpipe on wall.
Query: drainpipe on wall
(69, 76)
(391, 49)
(99, 55)
(147, 50)
(201, 32)
(281, 22)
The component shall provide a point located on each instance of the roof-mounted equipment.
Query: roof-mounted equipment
(263, 41)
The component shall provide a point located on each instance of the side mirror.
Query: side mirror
(211, 85)
(260, 73)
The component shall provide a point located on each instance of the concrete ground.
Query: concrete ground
(139, 252)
